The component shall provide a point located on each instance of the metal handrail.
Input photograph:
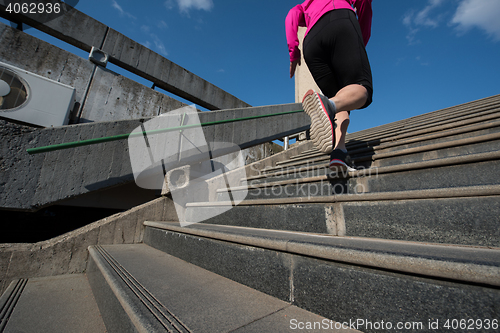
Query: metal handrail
(75, 144)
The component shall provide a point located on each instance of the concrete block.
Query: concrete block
(154, 65)
(121, 165)
(143, 61)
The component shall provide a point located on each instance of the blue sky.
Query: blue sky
(425, 54)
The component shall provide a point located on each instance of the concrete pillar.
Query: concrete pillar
(303, 78)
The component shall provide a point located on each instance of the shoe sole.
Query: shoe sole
(340, 166)
(322, 130)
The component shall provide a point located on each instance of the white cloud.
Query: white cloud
(121, 11)
(424, 18)
(483, 14)
(186, 5)
(159, 45)
(415, 20)
(162, 25)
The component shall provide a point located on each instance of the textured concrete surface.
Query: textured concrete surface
(433, 153)
(233, 262)
(104, 95)
(348, 293)
(306, 218)
(68, 253)
(56, 304)
(303, 78)
(114, 314)
(468, 221)
(115, 97)
(33, 181)
(202, 300)
(338, 291)
(84, 32)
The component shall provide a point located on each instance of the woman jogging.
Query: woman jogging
(334, 51)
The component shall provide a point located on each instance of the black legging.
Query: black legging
(335, 54)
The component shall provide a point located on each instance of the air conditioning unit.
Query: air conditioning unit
(32, 99)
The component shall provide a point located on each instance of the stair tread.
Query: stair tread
(464, 191)
(202, 300)
(56, 304)
(290, 175)
(439, 260)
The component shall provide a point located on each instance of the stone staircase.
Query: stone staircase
(409, 242)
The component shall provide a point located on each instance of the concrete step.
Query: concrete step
(484, 128)
(453, 116)
(318, 180)
(478, 115)
(51, 304)
(139, 288)
(473, 124)
(390, 154)
(469, 135)
(344, 278)
(460, 215)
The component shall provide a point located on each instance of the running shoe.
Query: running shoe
(341, 162)
(322, 114)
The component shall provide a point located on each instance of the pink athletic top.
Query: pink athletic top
(309, 12)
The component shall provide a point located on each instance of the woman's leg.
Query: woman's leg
(349, 98)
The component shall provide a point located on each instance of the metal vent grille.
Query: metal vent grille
(14, 91)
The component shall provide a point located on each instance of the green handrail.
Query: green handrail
(74, 144)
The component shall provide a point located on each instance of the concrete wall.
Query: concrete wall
(84, 32)
(303, 78)
(103, 94)
(67, 254)
(29, 182)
